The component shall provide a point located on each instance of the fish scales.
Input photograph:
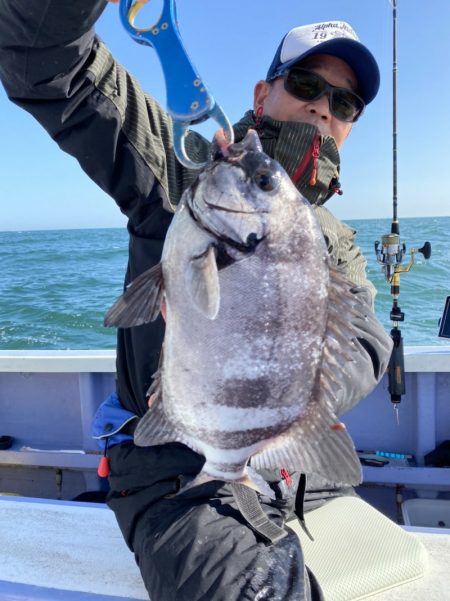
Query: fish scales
(254, 353)
(246, 283)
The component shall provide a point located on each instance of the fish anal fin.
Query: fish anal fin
(154, 428)
(202, 278)
(141, 301)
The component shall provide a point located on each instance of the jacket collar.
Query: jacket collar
(290, 143)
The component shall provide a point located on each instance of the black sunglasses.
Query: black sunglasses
(308, 86)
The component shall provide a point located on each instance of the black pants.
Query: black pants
(196, 546)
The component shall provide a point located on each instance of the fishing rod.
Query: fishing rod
(390, 252)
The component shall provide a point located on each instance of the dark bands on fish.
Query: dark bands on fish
(239, 439)
(246, 393)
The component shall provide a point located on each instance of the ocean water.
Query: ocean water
(55, 286)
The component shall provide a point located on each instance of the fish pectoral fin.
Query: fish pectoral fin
(141, 301)
(317, 444)
(202, 279)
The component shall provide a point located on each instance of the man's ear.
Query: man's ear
(260, 93)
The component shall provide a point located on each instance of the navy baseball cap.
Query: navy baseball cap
(333, 37)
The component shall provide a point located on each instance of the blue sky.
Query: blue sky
(232, 43)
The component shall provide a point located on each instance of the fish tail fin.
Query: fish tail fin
(255, 481)
(250, 478)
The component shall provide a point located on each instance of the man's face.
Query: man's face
(282, 106)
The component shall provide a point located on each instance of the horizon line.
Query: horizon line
(124, 227)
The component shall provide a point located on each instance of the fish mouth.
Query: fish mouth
(244, 245)
(236, 211)
(222, 150)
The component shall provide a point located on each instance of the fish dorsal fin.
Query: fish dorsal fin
(318, 443)
(344, 308)
(202, 279)
(141, 301)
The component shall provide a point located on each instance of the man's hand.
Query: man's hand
(151, 399)
(163, 309)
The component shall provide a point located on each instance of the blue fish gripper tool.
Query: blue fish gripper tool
(188, 99)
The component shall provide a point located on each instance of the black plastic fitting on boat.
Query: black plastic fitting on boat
(6, 442)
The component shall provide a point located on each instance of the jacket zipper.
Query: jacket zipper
(313, 153)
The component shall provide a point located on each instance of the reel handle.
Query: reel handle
(425, 250)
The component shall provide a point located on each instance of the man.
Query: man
(197, 545)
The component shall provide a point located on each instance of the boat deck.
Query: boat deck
(66, 551)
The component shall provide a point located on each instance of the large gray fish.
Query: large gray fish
(258, 327)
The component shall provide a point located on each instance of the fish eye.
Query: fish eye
(265, 180)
